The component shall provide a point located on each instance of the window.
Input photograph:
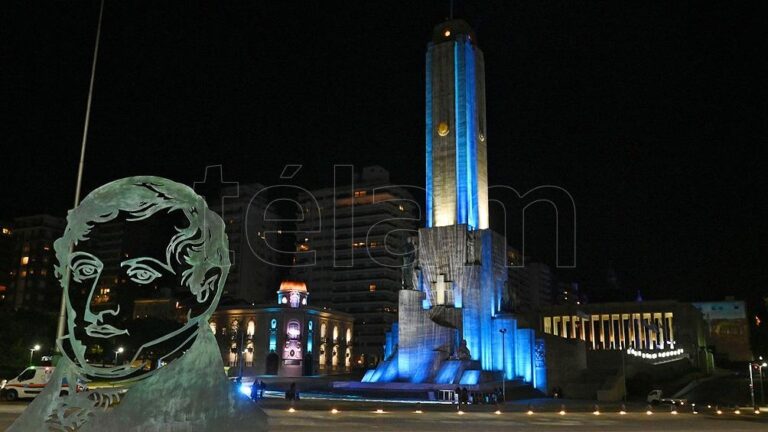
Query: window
(372, 287)
(6, 231)
(213, 327)
(24, 260)
(251, 329)
(27, 375)
(360, 193)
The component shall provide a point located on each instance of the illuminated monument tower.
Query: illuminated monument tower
(450, 317)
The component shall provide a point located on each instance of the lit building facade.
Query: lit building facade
(253, 231)
(7, 260)
(453, 327)
(667, 328)
(728, 329)
(33, 285)
(350, 246)
(288, 338)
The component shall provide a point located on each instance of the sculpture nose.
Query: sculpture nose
(99, 299)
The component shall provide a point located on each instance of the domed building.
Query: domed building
(289, 338)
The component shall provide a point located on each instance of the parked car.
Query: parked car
(656, 397)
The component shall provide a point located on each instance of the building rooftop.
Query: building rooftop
(289, 286)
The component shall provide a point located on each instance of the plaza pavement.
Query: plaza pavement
(316, 415)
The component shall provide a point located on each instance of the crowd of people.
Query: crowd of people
(462, 396)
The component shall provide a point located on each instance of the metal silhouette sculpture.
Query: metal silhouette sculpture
(191, 392)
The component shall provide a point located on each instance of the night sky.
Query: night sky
(646, 114)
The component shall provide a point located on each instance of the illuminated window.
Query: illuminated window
(447, 33)
(323, 329)
(373, 244)
(360, 193)
(213, 327)
(24, 260)
(335, 333)
(400, 207)
(43, 272)
(372, 287)
(6, 231)
(349, 335)
(358, 244)
(23, 273)
(251, 329)
(304, 247)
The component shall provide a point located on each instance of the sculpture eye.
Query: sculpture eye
(84, 266)
(142, 273)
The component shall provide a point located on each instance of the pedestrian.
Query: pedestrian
(464, 396)
(254, 392)
(292, 392)
(262, 387)
(457, 395)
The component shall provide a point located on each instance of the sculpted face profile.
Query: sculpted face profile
(148, 237)
(192, 256)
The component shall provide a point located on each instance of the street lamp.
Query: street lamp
(118, 352)
(32, 351)
(759, 367)
(503, 332)
(762, 383)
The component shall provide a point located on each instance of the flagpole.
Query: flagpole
(62, 308)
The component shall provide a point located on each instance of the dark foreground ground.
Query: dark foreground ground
(316, 415)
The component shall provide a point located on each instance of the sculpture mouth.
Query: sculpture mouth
(103, 331)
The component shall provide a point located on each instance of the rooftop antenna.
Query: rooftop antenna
(62, 309)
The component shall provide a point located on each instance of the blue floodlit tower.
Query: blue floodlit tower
(456, 161)
(450, 319)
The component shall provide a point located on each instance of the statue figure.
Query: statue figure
(191, 392)
(463, 352)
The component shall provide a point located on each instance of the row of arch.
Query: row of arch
(248, 354)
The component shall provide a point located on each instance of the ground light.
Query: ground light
(719, 412)
(622, 412)
(649, 412)
(418, 411)
(379, 411)
(497, 412)
(737, 412)
(530, 412)
(291, 410)
(334, 411)
(460, 412)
